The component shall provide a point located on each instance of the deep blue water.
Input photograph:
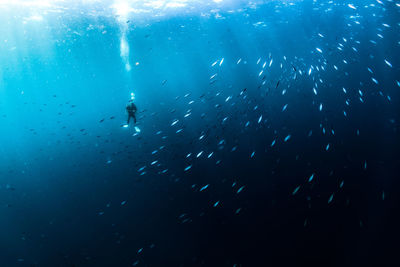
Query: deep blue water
(267, 134)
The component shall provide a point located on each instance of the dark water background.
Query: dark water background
(72, 188)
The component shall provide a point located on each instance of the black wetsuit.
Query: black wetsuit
(131, 109)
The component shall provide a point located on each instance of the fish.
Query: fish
(204, 187)
(388, 63)
(188, 168)
(296, 190)
(330, 198)
(240, 189)
(351, 6)
(273, 143)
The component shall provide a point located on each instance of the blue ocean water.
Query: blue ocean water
(267, 133)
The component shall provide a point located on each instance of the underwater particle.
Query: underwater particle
(199, 154)
(383, 195)
(204, 187)
(135, 263)
(139, 250)
(398, 83)
(210, 155)
(330, 198)
(174, 122)
(240, 189)
(327, 147)
(341, 184)
(296, 190)
(374, 80)
(365, 165)
(287, 138)
(222, 61)
(216, 204)
(252, 154)
(311, 178)
(187, 168)
(259, 119)
(123, 202)
(238, 210)
(137, 129)
(320, 107)
(319, 50)
(284, 107)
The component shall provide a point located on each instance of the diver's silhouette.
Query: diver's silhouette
(131, 109)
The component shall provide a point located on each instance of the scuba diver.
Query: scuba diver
(131, 109)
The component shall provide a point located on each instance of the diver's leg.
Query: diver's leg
(134, 118)
(129, 118)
